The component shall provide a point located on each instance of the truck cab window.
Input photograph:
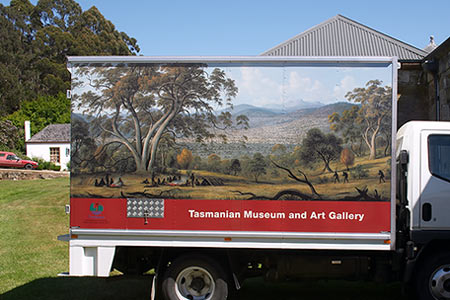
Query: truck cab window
(439, 156)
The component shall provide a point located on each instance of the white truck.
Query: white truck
(211, 170)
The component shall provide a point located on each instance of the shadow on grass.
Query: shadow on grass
(65, 288)
(128, 287)
(258, 289)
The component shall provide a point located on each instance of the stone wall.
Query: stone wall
(16, 174)
(413, 101)
(442, 55)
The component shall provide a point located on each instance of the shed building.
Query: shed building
(50, 144)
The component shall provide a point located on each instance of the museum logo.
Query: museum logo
(96, 211)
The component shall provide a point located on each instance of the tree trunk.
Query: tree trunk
(327, 167)
(373, 146)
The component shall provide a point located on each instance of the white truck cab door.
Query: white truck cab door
(435, 180)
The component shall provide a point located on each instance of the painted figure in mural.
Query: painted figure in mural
(193, 179)
(345, 175)
(381, 174)
(336, 177)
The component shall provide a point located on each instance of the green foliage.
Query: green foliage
(214, 162)
(9, 135)
(257, 166)
(317, 146)
(359, 172)
(323, 179)
(37, 39)
(43, 111)
(235, 167)
(367, 120)
(46, 165)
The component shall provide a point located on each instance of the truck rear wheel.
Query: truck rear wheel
(433, 280)
(194, 278)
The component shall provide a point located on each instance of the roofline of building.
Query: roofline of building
(339, 16)
(47, 142)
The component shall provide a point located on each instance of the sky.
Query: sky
(283, 87)
(248, 27)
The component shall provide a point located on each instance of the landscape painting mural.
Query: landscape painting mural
(269, 131)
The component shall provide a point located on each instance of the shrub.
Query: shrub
(359, 172)
(54, 167)
(46, 165)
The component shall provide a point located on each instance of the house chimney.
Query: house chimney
(27, 131)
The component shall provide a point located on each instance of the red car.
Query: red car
(10, 160)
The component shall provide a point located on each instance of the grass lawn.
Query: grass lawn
(32, 216)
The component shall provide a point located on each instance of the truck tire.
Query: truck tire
(196, 277)
(433, 279)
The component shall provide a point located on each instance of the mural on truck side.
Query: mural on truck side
(231, 131)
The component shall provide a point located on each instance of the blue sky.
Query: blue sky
(278, 87)
(239, 27)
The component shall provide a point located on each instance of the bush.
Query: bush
(359, 172)
(324, 179)
(46, 165)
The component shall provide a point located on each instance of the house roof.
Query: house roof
(341, 36)
(52, 133)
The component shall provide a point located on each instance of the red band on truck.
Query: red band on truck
(237, 215)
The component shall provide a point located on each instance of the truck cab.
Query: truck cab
(427, 145)
(423, 155)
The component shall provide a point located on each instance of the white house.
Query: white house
(50, 144)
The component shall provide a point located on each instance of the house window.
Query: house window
(54, 155)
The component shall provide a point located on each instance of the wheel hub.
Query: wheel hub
(195, 283)
(440, 283)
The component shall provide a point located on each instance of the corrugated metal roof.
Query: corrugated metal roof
(52, 133)
(341, 36)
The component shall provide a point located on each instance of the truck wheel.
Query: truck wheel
(194, 278)
(433, 280)
(28, 167)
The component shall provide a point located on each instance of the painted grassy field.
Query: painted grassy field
(240, 187)
(31, 218)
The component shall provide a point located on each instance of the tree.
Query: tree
(257, 166)
(347, 157)
(375, 108)
(36, 41)
(235, 166)
(317, 146)
(138, 105)
(347, 123)
(214, 162)
(43, 111)
(185, 158)
(9, 135)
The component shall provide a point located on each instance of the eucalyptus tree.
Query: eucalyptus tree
(137, 106)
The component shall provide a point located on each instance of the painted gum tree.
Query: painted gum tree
(137, 106)
(370, 118)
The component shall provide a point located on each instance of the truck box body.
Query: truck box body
(233, 152)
